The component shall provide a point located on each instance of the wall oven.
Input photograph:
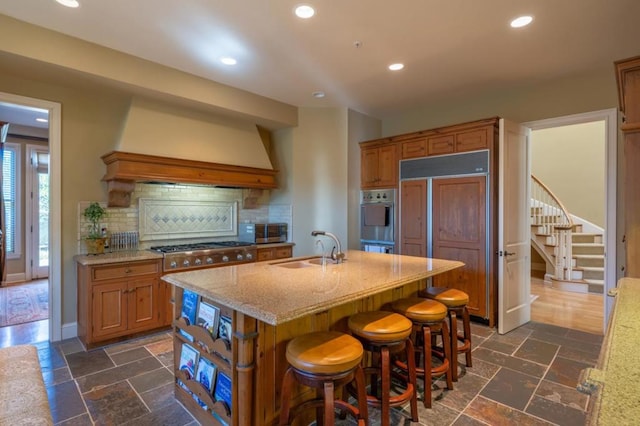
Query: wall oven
(377, 220)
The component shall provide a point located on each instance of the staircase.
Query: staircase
(574, 259)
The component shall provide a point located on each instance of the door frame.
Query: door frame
(31, 252)
(610, 118)
(55, 217)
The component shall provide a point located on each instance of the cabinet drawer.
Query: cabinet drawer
(440, 145)
(124, 270)
(414, 149)
(283, 252)
(472, 140)
(265, 254)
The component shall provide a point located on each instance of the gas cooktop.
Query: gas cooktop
(177, 248)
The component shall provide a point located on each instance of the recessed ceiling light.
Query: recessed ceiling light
(396, 67)
(42, 120)
(228, 61)
(69, 3)
(318, 94)
(521, 21)
(304, 11)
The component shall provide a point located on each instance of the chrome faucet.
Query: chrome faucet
(338, 255)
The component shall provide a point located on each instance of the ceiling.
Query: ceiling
(449, 48)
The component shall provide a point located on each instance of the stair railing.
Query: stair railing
(553, 219)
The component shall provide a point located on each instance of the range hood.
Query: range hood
(165, 144)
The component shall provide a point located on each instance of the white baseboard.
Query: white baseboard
(16, 278)
(69, 330)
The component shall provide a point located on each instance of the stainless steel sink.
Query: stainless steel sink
(294, 265)
(302, 263)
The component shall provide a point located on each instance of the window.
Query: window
(11, 193)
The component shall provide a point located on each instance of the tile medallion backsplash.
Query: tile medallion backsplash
(169, 219)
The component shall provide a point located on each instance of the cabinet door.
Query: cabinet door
(414, 149)
(459, 233)
(283, 252)
(265, 254)
(388, 166)
(440, 145)
(142, 303)
(472, 140)
(369, 167)
(109, 310)
(413, 218)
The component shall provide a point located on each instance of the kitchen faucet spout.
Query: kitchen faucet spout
(336, 252)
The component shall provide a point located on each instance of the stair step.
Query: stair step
(581, 237)
(587, 248)
(592, 273)
(584, 260)
(595, 286)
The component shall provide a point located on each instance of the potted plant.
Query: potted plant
(95, 240)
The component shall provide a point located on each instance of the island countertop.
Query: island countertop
(275, 294)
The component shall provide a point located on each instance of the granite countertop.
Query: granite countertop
(615, 382)
(115, 257)
(276, 294)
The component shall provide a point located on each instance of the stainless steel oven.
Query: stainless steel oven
(377, 220)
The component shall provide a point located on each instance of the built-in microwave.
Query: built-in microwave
(262, 233)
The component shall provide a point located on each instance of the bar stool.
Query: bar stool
(325, 360)
(383, 334)
(456, 302)
(429, 321)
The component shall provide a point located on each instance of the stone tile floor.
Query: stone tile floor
(526, 377)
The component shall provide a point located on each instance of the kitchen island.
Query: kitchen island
(267, 304)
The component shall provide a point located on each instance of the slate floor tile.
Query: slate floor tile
(510, 388)
(495, 414)
(172, 414)
(556, 413)
(565, 371)
(130, 355)
(537, 351)
(83, 363)
(562, 394)
(151, 380)
(513, 363)
(114, 404)
(117, 374)
(65, 401)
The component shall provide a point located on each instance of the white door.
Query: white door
(37, 183)
(514, 235)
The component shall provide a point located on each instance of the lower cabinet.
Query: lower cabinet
(277, 252)
(119, 299)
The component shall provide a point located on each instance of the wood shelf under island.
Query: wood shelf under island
(268, 304)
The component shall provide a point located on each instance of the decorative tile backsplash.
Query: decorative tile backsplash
(175, 214)
(170, 219)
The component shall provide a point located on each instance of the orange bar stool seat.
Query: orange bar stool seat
(456, 302)
(384, 334)
(429, 321)
(326, 361)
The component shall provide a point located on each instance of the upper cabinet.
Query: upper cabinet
(379, 165)
(628, 76)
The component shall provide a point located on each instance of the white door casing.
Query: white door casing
(33, 267)
(514, 237)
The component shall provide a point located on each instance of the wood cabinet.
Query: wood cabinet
(120, 299)
(628, 78)
(273, 251)
(379, 165)
(413, 218)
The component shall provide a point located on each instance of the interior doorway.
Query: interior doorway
(603, 209)
(53, 229)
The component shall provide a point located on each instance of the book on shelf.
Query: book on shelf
(189, 306)
(208, 318)
(206, 374)
(224, 330)
(222, 390)
(188, 360)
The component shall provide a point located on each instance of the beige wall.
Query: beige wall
(570, 161)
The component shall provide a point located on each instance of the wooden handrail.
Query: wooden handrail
(551, 215)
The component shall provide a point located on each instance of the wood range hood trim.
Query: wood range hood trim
(124, 169)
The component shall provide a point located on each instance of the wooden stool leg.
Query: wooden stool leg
(363, 419)
(426, 354)
(386, 386)
(328, 405)
(413, 379)
(448, 349)
(454, 344)
(285, 399)
(467, 333)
